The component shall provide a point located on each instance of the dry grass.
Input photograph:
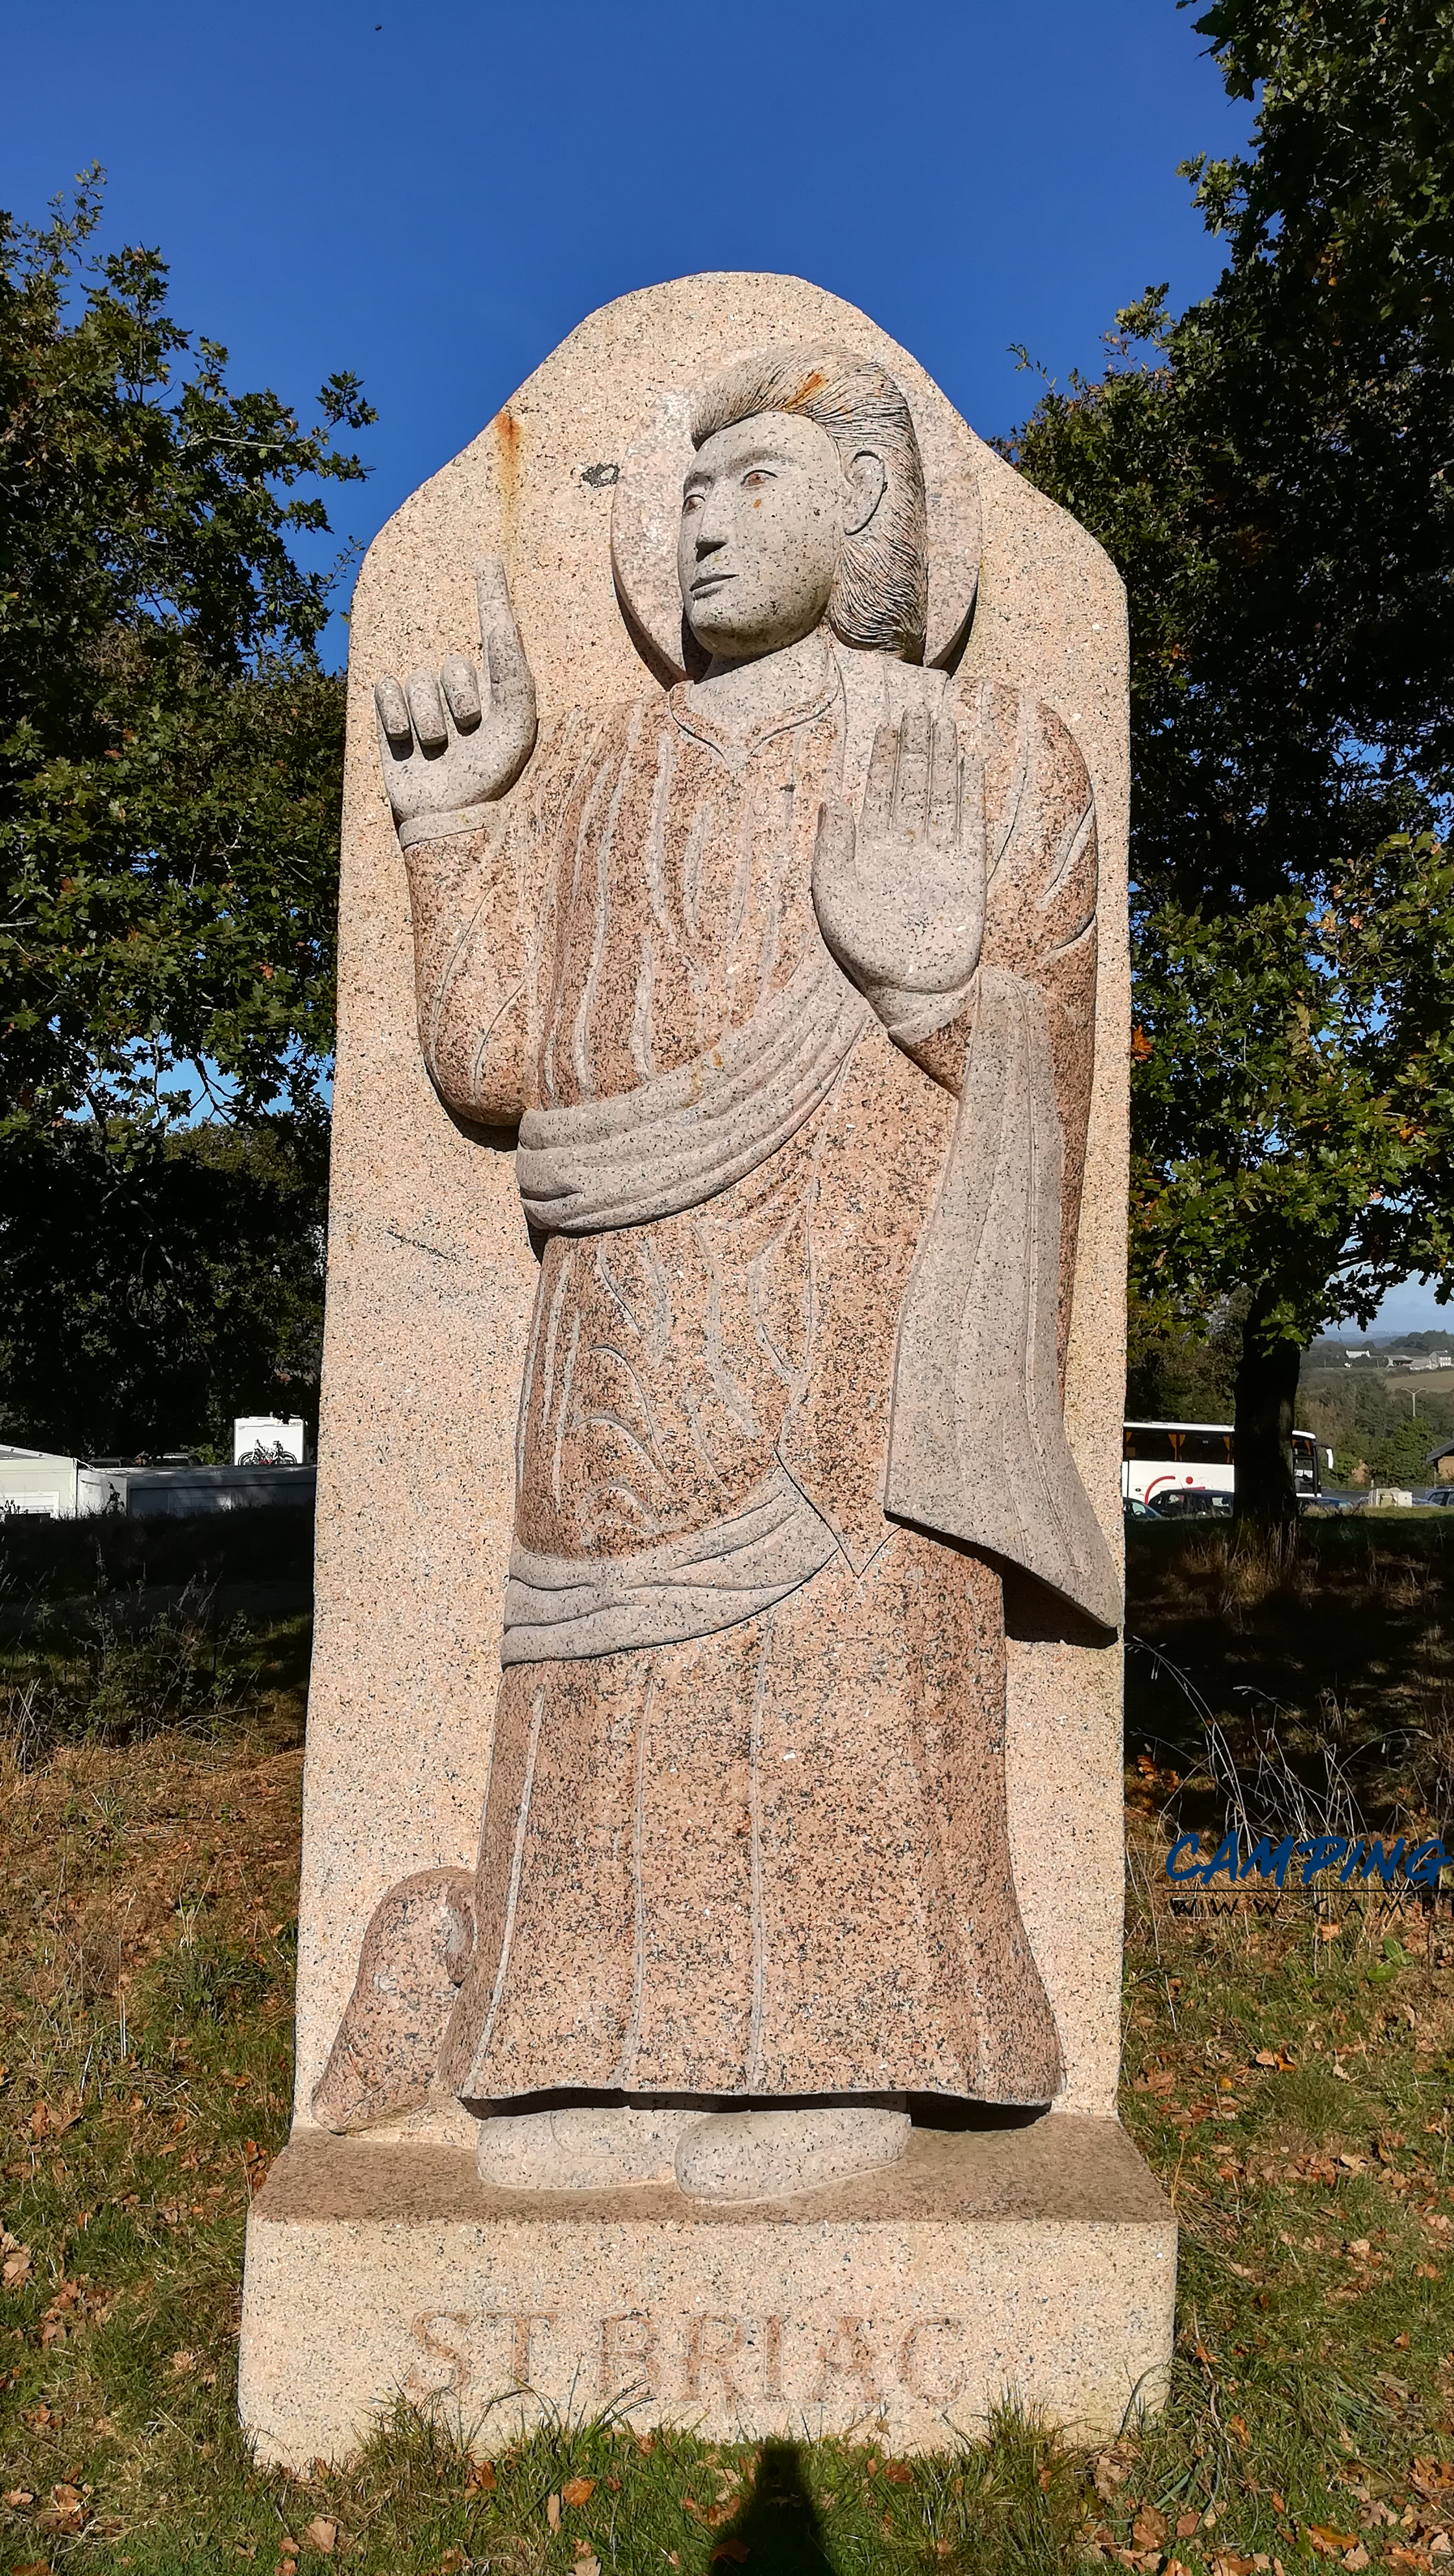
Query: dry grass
(1341, 1641)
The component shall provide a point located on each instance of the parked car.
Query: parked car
(1194, 1504)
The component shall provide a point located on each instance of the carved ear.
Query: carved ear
(865, 479)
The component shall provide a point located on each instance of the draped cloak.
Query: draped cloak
(793, 1389)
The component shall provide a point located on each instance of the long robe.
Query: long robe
(745, 1831)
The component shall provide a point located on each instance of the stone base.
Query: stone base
(1037, 2262)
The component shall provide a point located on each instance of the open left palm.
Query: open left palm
(900, 893)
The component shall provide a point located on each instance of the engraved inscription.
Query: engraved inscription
(638, 2356)
(846, 2350)
(628, 2356)
(713, 2347)
(521, 2371)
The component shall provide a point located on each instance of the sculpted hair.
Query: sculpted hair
(881, 593)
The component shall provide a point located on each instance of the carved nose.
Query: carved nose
(709, 546)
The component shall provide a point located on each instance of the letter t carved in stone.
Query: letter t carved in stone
(520, 2368)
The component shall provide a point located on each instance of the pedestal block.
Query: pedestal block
(1036, 2263)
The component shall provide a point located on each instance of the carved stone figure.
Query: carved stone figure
(785, 974)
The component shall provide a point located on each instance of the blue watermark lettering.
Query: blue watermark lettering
(1424, 1863)
(1322, 1851)
(1386, 1863)
(1359, 1857)
(1224, 1857)
(1270, 1859)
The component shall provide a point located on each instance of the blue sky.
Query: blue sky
(434, 196)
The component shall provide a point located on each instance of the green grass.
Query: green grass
(146, 1960)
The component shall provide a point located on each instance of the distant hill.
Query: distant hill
(1375, 1350)
(1376, 1402)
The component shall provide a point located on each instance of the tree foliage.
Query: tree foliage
(152, 1294)
(1271, 473)
(169, 746)
(170, 789)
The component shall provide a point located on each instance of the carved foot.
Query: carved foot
(579, 2150)
(763, 2155)
(414, 1955)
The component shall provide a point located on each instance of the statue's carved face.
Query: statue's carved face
(764, 513)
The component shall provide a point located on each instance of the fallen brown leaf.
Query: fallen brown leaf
(1150, 2527)
(321, 2535)
(1328, 2543)
(481, 2479)
(898, 2473)
(552, 2513)
(578, 2490)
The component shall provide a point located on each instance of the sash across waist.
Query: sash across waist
(679, 1139)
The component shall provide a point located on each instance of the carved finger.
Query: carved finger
(944, 788)
(973, 821)
(492, 596)
(834, 847)
(461, 687)
(911, 794)
(878, 792)
(512, 703)
(393, 711)
(426, 710)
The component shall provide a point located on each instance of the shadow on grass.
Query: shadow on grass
(778, 2527)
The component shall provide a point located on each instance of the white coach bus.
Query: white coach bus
(1161, 1458)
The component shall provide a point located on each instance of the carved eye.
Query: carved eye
(691, 501)
(757, 474)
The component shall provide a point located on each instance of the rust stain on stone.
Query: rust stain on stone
(811, 384)
(507, 448)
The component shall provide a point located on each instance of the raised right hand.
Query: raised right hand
(448, 744)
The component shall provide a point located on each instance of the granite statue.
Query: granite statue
(783, 974)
